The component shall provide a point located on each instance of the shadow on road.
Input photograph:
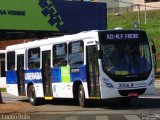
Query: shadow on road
(141, 103)
(135, 104)
(114, 104)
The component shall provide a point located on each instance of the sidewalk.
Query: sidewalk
(157, 83)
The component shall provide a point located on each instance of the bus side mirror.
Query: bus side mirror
(100, 54)
(153, 49)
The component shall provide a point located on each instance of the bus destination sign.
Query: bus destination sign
(121, 36)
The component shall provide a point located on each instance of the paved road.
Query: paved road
(145, 108)
(91, 117)
(86, 117)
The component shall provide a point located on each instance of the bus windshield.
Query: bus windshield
(126, 58)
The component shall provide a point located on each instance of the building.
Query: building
(129, 5)
(146, 4)
(115, 6)
(110, 3)
(43, 18)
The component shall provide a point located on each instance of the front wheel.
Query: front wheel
(81, 97)
(32, 96)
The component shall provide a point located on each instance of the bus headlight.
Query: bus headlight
(151, 81)
(107, 83)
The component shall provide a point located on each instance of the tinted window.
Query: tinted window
(60, 55)
(130, 58)
(76, 54)
(11, 60)
(34, 58)
(3, 74)
(152, 0)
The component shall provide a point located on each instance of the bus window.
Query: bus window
(76, 54)
(11, 60)
(3, 74)
(130, 58)
(34, 58)
(60, 55)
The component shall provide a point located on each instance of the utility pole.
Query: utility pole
(139, 22)
(145, 14)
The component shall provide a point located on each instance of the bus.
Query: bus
(96, 64)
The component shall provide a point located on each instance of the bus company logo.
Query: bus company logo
(33, 76)
(49, 10)
(107, 83)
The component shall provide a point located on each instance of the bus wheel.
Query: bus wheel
(32, 96)
(81, 97)
(125, 101)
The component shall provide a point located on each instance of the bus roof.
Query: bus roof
(57, 40)
(2, 51)
(54, 40)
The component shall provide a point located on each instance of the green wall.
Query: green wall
(23, 15)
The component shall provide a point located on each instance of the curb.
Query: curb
(1, 101)
(157, 83)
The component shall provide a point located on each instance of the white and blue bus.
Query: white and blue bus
(87, 65)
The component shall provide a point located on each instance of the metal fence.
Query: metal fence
(116, 10)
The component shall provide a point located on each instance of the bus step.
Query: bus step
(48, 98)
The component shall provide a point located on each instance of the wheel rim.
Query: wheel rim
(81, 96)
(31, 97)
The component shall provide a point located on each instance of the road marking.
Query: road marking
(71, 118)
(132, 117)
(102, 118)
(150, 96)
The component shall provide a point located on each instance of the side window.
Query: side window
(11, 60)
(76, 53)
(3, 74)
(60, 54)
(34, 58)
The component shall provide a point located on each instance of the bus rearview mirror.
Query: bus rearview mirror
(153, 49)
(100, 54)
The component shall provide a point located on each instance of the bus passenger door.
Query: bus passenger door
(46, 74)
(93, 71)
(20, 74)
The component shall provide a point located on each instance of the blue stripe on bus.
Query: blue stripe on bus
(33, 81)
(34, 75)
(77, 72)
(56, 74)
(11, 77)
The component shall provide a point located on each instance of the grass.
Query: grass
(127, 21)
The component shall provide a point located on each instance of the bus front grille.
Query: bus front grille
(127, 92)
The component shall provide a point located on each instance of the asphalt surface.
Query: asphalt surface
(11, 98)
(144, 108)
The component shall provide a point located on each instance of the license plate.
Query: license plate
(124, 85)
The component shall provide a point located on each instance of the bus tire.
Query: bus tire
(81, 97)
(32, 96)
